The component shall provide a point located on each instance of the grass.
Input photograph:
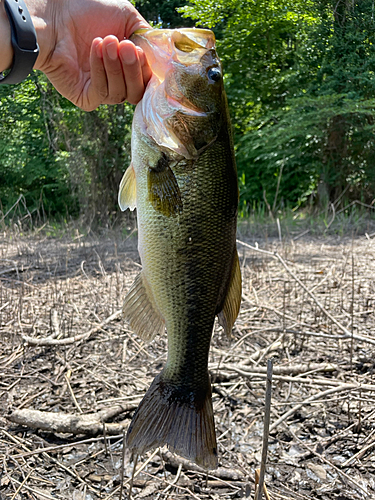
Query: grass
(353, 221)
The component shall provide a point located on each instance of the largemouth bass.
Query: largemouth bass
(183, 181)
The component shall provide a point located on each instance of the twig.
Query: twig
(333, 217)
(174, 482)
(67, 379)
(47, 341)
(314, 397)
(355, 202)
(21, 485)
(359, 454)
(257, 476)
(123, 465)
(131, 479)
(266, 429)
(38, 451)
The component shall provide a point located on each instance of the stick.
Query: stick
(132, 478)
(359, 454)
(281, 370)
(123, 465)
(47, 341)
(266, 429)
(21, 485)
(38, 451)
(221, 473)
(91, 423)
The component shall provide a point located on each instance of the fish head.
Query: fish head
(183, 104)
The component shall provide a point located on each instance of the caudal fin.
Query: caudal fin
(184, 423)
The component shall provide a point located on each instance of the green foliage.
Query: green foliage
(300, 82)
(63, 160)
(300, 78)
(163, 13)
(28, 166)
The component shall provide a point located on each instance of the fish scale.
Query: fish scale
(186, 215)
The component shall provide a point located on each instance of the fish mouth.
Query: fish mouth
(184, 45)
(196, 34)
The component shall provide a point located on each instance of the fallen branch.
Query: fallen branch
(91, 423)
(221, 473)
(51, 340)
(280, 370)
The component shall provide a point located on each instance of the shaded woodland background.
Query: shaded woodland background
(300, 80)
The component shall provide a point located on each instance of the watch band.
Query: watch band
(23, 40)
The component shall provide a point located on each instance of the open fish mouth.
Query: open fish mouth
(185, 39)
(183, 46)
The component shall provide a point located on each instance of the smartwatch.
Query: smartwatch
(24, 43)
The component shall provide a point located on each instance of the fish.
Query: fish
(183, 181)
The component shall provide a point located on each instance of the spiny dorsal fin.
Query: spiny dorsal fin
(163, 191)
(128, 191)
(140, 310)
(227, 316)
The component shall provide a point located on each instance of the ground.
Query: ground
(311, 311)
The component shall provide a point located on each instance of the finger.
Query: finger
(146, 69)
(97, 89)
(117, 91)
(132, 71)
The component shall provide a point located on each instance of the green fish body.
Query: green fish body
(183, 182)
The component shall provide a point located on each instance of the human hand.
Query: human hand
(85, 53)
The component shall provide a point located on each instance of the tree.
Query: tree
(300, 82)
(163, 12)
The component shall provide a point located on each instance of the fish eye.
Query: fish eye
(214, 74)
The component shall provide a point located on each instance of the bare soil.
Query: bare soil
(321, 339)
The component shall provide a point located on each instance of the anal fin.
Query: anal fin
(140, 310)
(227, 316)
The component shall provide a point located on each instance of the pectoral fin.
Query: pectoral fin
(127, 195)
(227, 316)
(163, 191)
(140, 310)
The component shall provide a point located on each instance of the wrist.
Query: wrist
(6, 50)
(39, 11)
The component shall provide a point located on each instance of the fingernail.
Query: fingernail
(111, 49)
(130, 57)
(98, 48)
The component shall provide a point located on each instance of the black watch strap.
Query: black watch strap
(24, 42)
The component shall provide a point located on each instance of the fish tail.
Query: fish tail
(183, 422)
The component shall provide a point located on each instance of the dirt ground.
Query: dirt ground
(64, 349)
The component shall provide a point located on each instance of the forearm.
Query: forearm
(6, 51)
